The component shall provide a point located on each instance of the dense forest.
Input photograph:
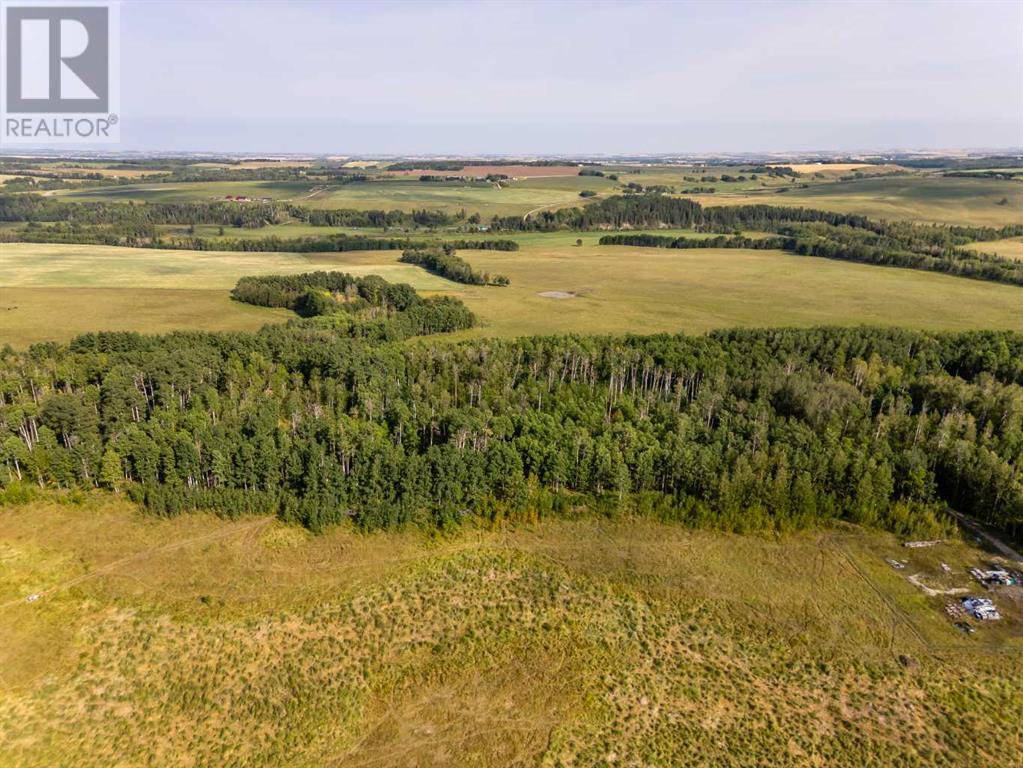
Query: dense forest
(445, 262)
(741, 430)
(250, 214)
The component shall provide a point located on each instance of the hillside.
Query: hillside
(615, 642)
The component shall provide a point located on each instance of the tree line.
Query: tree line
(893, 247)
(740, 430)
(443, 261)
(251, 214)
(615, 212)
(148, 236)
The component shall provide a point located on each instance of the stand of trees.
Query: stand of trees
(740, 430)
(615, 212)
(446, 263)
(644, 240)
(369, 307)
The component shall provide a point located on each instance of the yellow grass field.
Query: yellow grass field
(1011, 248)
(839, 169)
(30, 315)
(194, 641)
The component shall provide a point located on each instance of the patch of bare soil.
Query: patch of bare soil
(558, 294)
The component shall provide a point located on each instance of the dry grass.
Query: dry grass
(1011, 248)
(30, 315)
(840, 169)
(567, 643)
(110, 173)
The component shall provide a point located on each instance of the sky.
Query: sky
(569, 77)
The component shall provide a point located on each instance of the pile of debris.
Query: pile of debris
(996, 576)
(921, 544)
(981, 608)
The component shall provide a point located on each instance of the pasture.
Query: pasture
(1010, 248)
(59, 265)
(486, 199)
(615, 289)
(193, 640)
(918, 196)
(513, 171)
(30, 315)
(646, 290)
(924, 198)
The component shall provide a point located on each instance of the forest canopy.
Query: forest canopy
(740, 430)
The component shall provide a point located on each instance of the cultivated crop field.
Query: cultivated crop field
(198, 641)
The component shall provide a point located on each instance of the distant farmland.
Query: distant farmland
(514, 171)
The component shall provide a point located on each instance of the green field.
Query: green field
(924, 197)
(89, 266)
(932, 199)
(515, 198)
(54, 292)
(646, 290)
(617, 289)
(194, 641)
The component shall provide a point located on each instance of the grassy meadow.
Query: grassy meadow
(196, 641)
(60, 265)
(923, 198)
(487, 199)
(915, 196)
(645, 290)
(56, 291)
(1010, 248)
(31, 315)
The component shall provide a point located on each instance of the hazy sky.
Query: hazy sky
(570, 76)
